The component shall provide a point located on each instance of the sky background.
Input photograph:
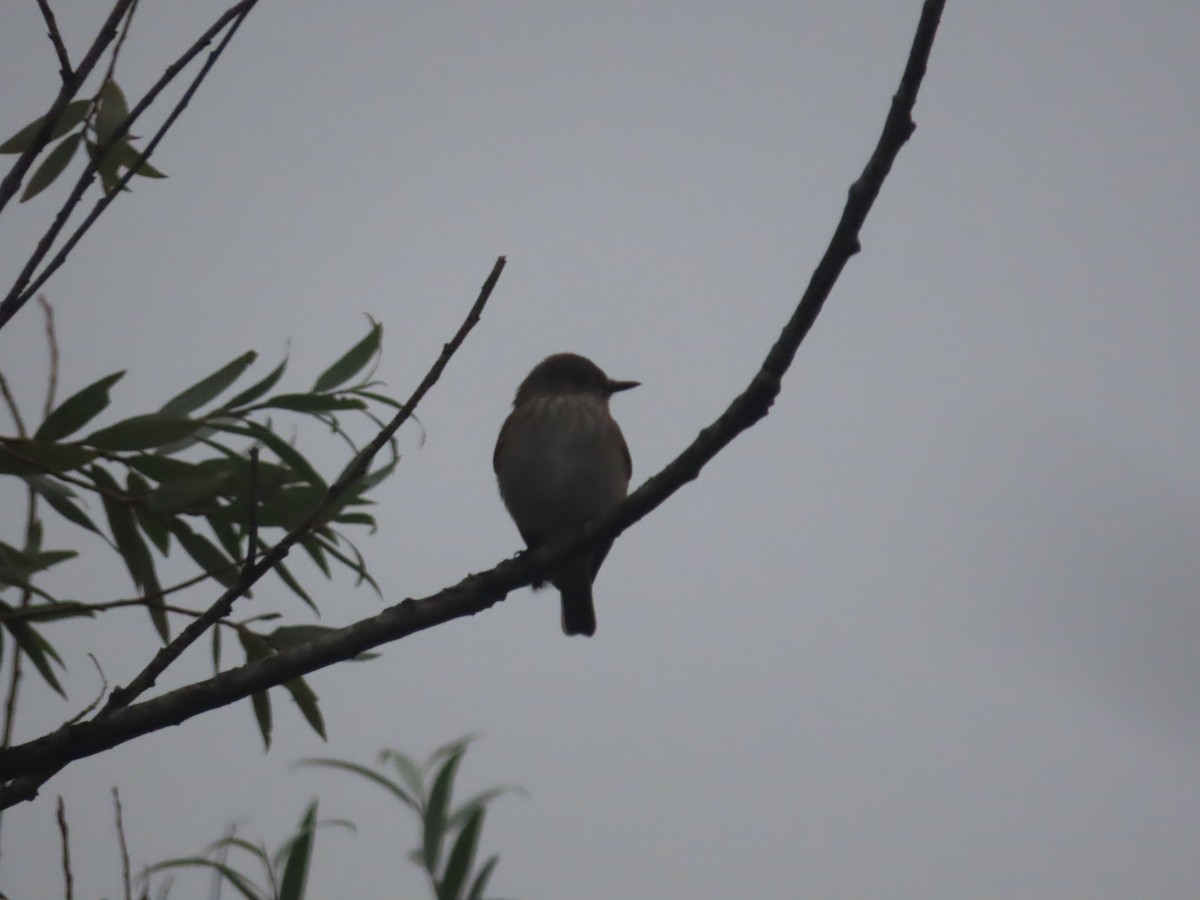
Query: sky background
(929, 630)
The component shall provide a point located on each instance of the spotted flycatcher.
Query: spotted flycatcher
(561, 460)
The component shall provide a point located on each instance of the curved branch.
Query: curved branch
(476, 593)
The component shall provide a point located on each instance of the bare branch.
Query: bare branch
(60, 49)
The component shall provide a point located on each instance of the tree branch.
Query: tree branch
(60, 49)
(476, 593)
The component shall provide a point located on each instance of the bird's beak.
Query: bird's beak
(614, 386)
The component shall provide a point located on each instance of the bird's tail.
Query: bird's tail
(578, 611)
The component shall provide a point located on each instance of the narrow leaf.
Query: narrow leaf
(462, 855)
(436, 812)
(205, 553)
(20, 456)
(131, 158)
(306, 699)
(352, 361)
(367, 773)
(289, 579)
(256, 649)
(34, 646)
(259, 388)
(208, 388)
(481, 880)
(78, 409)
(313, 403)
(112, 111)
(299, 856)
(71, 116)
(142, 432)
(133, 549)
(52, 166)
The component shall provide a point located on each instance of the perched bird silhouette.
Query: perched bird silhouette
(561, 460)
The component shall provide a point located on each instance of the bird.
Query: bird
(561, 460)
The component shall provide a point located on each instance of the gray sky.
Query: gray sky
(930, 630)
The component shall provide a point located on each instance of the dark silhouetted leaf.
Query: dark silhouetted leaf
(209, 388)
(36, 647)
(142, 433)
(133, 549)
(299, 856)
(352, 361)
(307, 701)
(52, 166)
(289, 579)
(19, 456)
(256, 648)
(437, 811)
(78, 409)
(61, 500)
(367, 773)
(73, 113)
(256, 390)
(462, 855)
(313, 403)
(206, 554)
(287, 454)
(481, 880)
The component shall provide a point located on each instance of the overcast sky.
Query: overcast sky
(929, 630)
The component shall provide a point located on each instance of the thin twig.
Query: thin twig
(60, 49)
(29, 765)
(125, 26)
(66, 848)
(13, 409)
(99, 695)
(126, 881)
(26, 285)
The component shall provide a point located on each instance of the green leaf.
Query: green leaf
(142, 433)
(289, 579)
(111, 111)
(133, 549)
(17, 565)
(36, 647)
(256, 648)
(216, 649)
(299, 855)
(289, 506)
(72, 114)
(241, 884)
(287, 454)
(78, 409)
(153, 525)
(259, 388)
(313, 548)
(481, 880)
(408, 769)
(162, 469)
(21, 456)
(306, 699)
(462, 855)
(52, 166)
(206, 554)
(369, 774)
(352, 361)
(208, 388)
(313, 403)
(437, 810)
(190, 491)
(131, 158)
(60, 497)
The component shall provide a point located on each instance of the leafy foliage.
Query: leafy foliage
(199, 475)
(426, 789)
